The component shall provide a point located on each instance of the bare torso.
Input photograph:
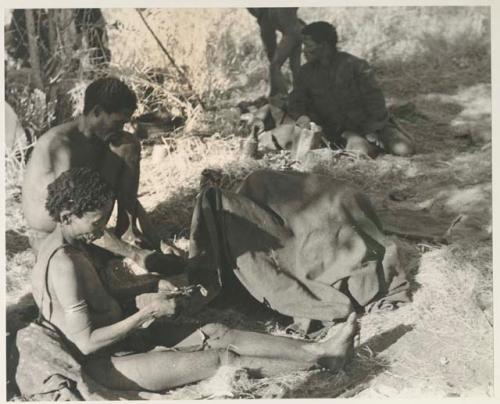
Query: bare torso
(102, 308)
(58, 150)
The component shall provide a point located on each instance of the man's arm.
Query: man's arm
(300, 101)
(372, 98)
(79, 325)
(299, 98)
(59, 156)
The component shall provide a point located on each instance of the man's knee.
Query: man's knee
(227, 357)
(215, 330)
(217, 335)
(128, 148)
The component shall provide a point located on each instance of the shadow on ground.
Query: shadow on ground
(366, 366)
(173, 216)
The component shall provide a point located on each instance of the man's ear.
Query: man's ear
(65, 217)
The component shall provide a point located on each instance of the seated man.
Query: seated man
(338, 91)
(73, 302)
(96, 140)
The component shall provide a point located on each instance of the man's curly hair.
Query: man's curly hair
(112, 94)
(78, 190)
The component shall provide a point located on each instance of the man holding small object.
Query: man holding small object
(73, 302)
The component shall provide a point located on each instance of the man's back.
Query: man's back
(62, 147)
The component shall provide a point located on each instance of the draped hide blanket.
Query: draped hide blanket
(306, 245)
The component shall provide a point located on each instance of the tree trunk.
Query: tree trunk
(69, 65)
(34, 57)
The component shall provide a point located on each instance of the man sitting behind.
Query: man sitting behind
(338, 91)
(72, 300)
(96, 140)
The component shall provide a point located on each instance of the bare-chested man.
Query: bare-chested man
(72, 299)
(96, 140)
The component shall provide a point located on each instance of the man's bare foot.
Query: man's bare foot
(338, 348)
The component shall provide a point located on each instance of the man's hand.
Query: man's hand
(165, 307)
(159, 305)
(374, 139)
(303, 122)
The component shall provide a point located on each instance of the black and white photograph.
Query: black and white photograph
(211, 201)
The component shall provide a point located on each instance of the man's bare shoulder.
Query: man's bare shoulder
(57, 137)
(67, 263)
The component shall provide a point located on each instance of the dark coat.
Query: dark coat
(341, 96)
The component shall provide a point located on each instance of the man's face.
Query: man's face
(90, 226)
(313, 51)
(107, 125)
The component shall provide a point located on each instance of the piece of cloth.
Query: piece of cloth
(48, 369)
(341, 96)
(305, 245)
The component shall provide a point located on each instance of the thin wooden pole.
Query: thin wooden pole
(170, 58)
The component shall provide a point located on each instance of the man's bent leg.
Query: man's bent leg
(332, 352)
(288, 42)
(122, 168)
(154, 370)
(162, 370)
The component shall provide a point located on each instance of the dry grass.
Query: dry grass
(438, 59)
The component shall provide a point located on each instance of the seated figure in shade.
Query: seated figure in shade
(338, 91)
